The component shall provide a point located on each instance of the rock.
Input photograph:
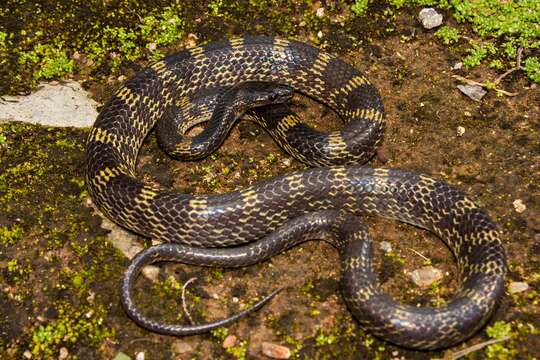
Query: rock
(27, 354)
(229, 342)
(65, 104)
(460, 131)
(121, 356)
(475, 92)
(151, 272)
(517, 286)
(63, 354)
(275, 351)
(426, 276)
(457, 66)
(385, 246)
(381, 154)
(519, 206)
(181, 347)
(430, 18)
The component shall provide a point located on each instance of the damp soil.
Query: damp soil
(60, 275)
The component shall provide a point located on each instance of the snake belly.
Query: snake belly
(244, 216)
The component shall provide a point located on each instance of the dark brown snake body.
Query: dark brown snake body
(275, 214)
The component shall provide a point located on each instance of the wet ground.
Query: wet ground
(60, 274)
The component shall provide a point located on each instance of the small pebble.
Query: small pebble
(139, 356)
(430, 18)
(229, 342)
(121, 356)
(320, 34)
(320, 12)
(235, 300)
(382, 156)
(517, 286)
(385, 246)
(457, 66)
(151, 272)
(460, 131)
(519, 206)
(275, 351)
(180, 347)
(426, 276)
(475, 92)
(27, 354)
(63, 354)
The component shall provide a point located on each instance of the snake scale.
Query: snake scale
(249, 225)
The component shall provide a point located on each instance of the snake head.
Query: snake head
(258, 93)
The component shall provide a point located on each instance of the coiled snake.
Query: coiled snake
(220, 81)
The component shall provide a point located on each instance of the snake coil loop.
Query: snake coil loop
(272, 215)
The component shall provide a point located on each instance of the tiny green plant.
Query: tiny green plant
(448, 35)
(359, 7)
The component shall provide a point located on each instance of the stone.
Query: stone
(151, 272)
(475, 92)
(63, 104)
(430, 18)
(426, 276)
(121, 356)
(229, 342)
(519, 206)
(517, 286)
(275, 351)
(181, 347)
(460, 131)
(63, 354)
(385, 246)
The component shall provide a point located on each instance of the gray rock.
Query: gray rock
(65, 104)
(430, 18)
(475, 92)
(181, 347)
(517, 287)
(426, 276)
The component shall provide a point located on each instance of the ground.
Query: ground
(59, 288)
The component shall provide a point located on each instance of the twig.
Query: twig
(497, 81)
(517, 67)
(464, 352)
(472, 82)
(184, 298)
(420, 254)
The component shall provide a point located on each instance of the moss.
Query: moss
(447, 34)
(514, 333)
(239, 351)
(73, 326)
(10, 235)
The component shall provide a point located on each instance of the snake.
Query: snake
(255, 76)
